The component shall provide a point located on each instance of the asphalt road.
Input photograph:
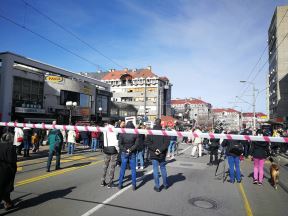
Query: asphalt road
(194, 190)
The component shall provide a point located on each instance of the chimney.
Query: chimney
(149, 68)
(126, 69)
(134, 70)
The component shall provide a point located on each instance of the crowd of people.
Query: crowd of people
(133, 151)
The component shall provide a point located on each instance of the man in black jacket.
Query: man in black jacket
(158, 146)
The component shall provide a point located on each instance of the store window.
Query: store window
(82, 100)
(102, 101)
(27, 93)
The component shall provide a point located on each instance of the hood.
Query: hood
(130, 125)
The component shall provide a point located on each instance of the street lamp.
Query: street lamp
(100, 110)
(253, 103)
(71, 105)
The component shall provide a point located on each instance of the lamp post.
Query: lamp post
(253, 102)
(71, 105)
(100, 111)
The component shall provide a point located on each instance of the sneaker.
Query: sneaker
(260, 183)
(48, 170)
(239, 181)
(120, 187)
(133, 187)
(156, 189)
(209, 164)
(141, 167)
(103, 183)
(172, 157)
(137, 168)
(166, 187)
(110, 185)
(193, 156)
(255, 181)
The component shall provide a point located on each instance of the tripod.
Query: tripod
(224, 176)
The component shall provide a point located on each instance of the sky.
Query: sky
(204, 47)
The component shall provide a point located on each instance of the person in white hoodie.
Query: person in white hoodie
(197, 143)
(71, 141)
(111, 149)
(18, 136)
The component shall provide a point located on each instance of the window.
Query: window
(102, 101)
(85, 100)
(69, 96)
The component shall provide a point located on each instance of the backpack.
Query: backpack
(235, 148)
(55, 138)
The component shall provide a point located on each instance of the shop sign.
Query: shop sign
(86, 90)
(29, 110)
(54, 79)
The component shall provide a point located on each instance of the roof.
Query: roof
(218, 110)
(139, 73)
(250, 114)
(187, 101)
(97, 75)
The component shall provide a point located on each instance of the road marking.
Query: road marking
(99, 206)
(19, 168)
(56, 173)
(245, 200)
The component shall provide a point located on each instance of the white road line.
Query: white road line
(99, 206)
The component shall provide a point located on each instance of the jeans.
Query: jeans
(124, 159)
(139, 158)
(259, 169)
(234, 161)
(86, 142)
(162, 165)
(71, 147)
(246, 148)
(26, 145)
(94, 144)
(171, 147)
(57, 152)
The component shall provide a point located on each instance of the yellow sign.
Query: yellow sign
(86, 90)
(54, 79)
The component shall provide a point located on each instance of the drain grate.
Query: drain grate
(203, 202)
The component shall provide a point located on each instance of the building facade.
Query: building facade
(230, 118)
(192, 110)
(147, 92)
(278, 65)
(37, 92)
(247, 118)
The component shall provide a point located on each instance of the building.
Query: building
(121, 110)
(147, 92)
(230, 118)
(38, 92)
(192, 110)
(278, 65)
(247, 118)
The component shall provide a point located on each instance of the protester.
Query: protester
(128, 145)
(197, 144)
(158, 146)
(213, 149)
(245, 143)
(18, 139)
(111, 149)
(140, 149)
(27, 140)
(55, 141)
(171, 147)
(34, 141)
(120, 124)
(64, 135)
(234, 149)
(8, 168)
(71, 139)
(85, 138)
(260, 151)
(95, 140)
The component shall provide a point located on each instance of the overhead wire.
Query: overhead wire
(49, 40)
(72, 34)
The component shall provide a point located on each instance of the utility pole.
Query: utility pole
(254, 104)
(145, 93)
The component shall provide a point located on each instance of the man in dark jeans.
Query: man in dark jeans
(158, 147)
(55, 141)
(246, 144)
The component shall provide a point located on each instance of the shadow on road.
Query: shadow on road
(42, 198)
(122, 207)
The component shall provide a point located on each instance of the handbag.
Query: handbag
(109, 149)
(20, 139)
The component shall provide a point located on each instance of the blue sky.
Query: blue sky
(204, 47)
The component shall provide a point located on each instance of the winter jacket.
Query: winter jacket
(128, 141)
(18, 133)
(95, 135)
(71, 136)
(140, 142)
(158, 142)
(197, 140)
(228, 144)
(27, 134)
(110, 138)
(84, 134)
(55, 138)
(260, 150)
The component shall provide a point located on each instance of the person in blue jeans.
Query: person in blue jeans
(128, 144)
(233, 154)
(171, 147)
(140, 149)
(94, 140)
(158, 147)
